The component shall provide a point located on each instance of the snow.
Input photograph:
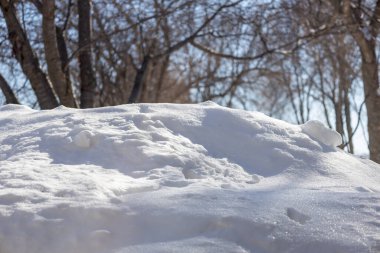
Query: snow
(180, 178)
(315, 129)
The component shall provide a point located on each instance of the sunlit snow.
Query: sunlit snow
(180, 178)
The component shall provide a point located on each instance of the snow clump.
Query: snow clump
(321, 133)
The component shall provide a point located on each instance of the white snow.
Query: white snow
(83, 139)
(180, 178)
(317, 130)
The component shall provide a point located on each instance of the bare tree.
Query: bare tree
(363, 24)
(24, 54)
(7, 91)
(87, 75)
(61, 83)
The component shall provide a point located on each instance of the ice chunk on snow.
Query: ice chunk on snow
(317, 130)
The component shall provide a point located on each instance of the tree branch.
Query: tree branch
(10, 97)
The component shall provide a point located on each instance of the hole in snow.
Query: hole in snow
(297, 216)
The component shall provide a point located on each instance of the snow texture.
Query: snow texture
(317, 130)
(180, 178)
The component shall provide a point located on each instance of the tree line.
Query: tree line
(289, 59)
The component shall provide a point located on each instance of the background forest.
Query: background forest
(292, 60)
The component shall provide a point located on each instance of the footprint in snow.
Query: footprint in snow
(297, 216)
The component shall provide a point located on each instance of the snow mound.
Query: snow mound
(321, 133)
(189, 178)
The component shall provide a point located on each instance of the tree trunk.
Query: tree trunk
(370, 76)
(371, 85)
(87, 75)
(52, 55)
(161, 78)
(338, 106)
(27, 59)
(10, 97)
(347, 112)
(139, 80)
(341, 69)
(62, 48)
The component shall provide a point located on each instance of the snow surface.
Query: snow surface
(180, 178)
(316, 129)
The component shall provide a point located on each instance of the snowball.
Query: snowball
(317, 130)
(83, 139)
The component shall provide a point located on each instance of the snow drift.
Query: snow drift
(180, 178)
